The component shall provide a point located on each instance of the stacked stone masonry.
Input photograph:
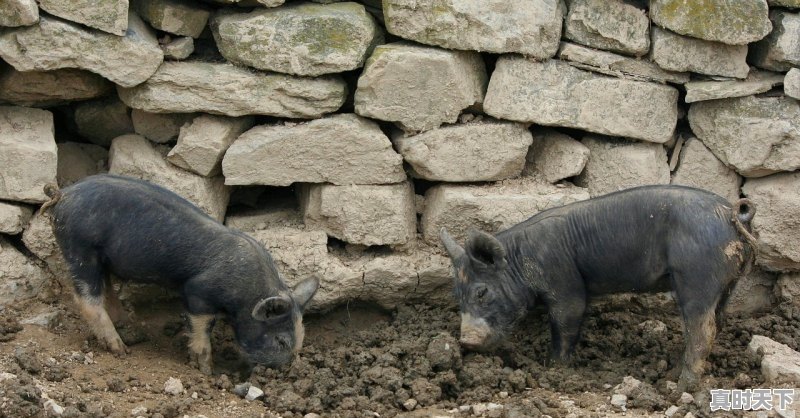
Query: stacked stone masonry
(345, 135)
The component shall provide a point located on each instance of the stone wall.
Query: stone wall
(344, 135)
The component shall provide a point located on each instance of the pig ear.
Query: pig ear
(305, 290)
(271, 307)
(485, 249)
(453, 249)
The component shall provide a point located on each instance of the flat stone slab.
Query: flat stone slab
(616, 164)
(791, 83)
(223, 89)
(528, 27)
(107, 15)
(179, 17)
(555, 93)
(50, 88)
(302, 38)
(19, 13)
(14, 217)
(699, 167)
(485, 150)
(780, 363)
(203, 142)
(102, 120)
(756, 82)
(341, 149)
(734, 22)
(159, 127)
(179, 48)
(608, 24)
(777, 221)
(608, 63)
(555, 156)
(674, 52)
(757, 136)
(780, 50)
(126, 60)
(28, 154)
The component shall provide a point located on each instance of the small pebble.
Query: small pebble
(241, 389)
(619, 401)
(672, 410)
(311, 415)
(173, 386)
(194, 395)
(53, 408)
(687, 398)
(503, 395)
(139, 410)
(410, 404)
(253, 393)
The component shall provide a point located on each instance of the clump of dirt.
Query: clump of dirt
(9, 327)
(19, 397)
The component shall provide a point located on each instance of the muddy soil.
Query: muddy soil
(362, 362)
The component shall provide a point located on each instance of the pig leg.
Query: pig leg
(566, 317)
(200, 342)
(699, 332)
(113, 305)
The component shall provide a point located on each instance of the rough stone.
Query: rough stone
(302, 39)
(617, 65)
(27, 153)
(530, 27)
(178, 49)
(50, 88)
(484, 150)
(14, 217)
(780, 363)
(341, 149)
(756, 82)
(491, 208)
(674, 52)
(20, 277)
(413, 85)
(734, 22)
(616, 164)
(787, 293)
(107, 15)
(77, 160)
(126, 60)
(40, 240)
(173, 386)
(135, 156)
(253, 393)
(557, 94)
(791, 83)
(203, 142)
(186, 87)
(777, 221)
(159, 127)
(700, 168)
(752, 293)
(555, 156)
(608, 24)
(361, 214)
(780, 50)
(179, 17)
(756, 136)
(102, 120)
(19, 13)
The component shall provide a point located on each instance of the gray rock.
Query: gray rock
(135, 156)
(100, 121)
(241, 389)
(756, 136)
(483, 150)
(674, 52)
(619, 401)
(253, 393)
(77, 160)
(616, 164)
(40, 240)
(19, 13)
(613, 25)
(179, 17)
(341, 149)
(780, 50)
(20, 278)
(780, 363)
(14, 217)
(159, 127)
(569, 97)
(753, 293)
(302, 39)
(413, 85)
(777, 221)
(555, 156)
(756, 82)
(787, 291)
(617, 65)
(491, 208)
(50, 88)
(203, 142)
(173, 386)
(528, 27)
(791, 83)
(186, 87)
(361, 214)
(700, 168)
(734, 22)
(126, 60)
(27, 153)
(179, 48)
(107, 15)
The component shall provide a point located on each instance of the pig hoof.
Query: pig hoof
(201, 361)
(118, 348)
(687, 384)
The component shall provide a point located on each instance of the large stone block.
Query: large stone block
(179, 17)
(555, 156)
(699, 167)
(40, 240)
(616, 164)
(203, 142)
(20, 278)
(77, 160)
(28, 153)
(484, 150)
(413, 85)
(491, 208)
(100, 121)
(159, 127)
(50, 88)
(608, 63)
(126, 60)
(135, 156)
(756, 136)
(19, 13)
(753, 293)
(779, 51)
(791, 83)
(681, 53)
(186, 87)
(756, 82)
(613, 25)
(780, 363)
(14, 217)
(107, 15)
(302, 38)
(528, 27)
(734, 22)
(557, 94)
(361, 214)
(777, 220)
(341, 149)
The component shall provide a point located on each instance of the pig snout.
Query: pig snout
(475, 333)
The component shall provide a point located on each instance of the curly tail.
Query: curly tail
(742, 213)
(52, 191)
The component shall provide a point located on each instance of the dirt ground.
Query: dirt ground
(362, 362)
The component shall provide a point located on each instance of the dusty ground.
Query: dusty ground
(362, 362)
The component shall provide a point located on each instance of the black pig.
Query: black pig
(651, 238)
(141, 232)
